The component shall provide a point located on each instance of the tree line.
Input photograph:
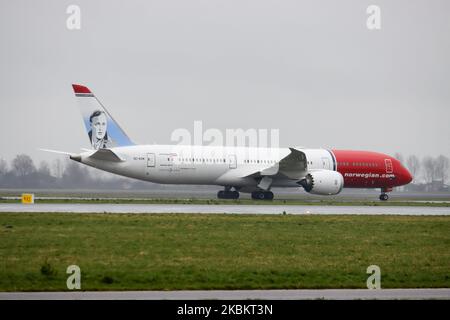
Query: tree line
(23, 172)
(428, 169)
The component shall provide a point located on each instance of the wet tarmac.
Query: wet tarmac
(309, 294)
(223, 209)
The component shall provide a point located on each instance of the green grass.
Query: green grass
(193, 251)
(241, 202)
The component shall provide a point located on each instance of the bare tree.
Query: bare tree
(23, 165)
(399, 157)
(3, 167)
(413, 164)
(75, 175)
(441, 167)
(44, 168)
(57, 168)
(429, 165)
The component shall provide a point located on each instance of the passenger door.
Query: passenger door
(232, 161)
(151, 160)
(388, 164)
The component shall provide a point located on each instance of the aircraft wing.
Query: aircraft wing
(293, 166)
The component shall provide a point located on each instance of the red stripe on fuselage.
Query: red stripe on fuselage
(366, 169)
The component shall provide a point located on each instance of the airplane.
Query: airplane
(237, 169)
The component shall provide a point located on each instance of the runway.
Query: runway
(223, 209)
(206, 192)
(309, 294)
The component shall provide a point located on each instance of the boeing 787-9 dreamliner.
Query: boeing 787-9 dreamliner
(237, 169)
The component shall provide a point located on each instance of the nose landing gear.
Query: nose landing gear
(384, 197)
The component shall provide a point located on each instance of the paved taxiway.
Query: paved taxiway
(331, 294)
(237, 209)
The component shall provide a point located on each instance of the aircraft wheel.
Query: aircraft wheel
(257, 195)
(227, 194)
(268, 195)
(384, 197)
(262, 195)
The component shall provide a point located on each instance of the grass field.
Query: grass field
(326, 202)
(189, 251)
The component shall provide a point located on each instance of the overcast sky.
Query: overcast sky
(311, 69)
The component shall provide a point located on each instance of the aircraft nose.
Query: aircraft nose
(406, 175)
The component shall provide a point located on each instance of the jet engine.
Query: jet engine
(323, 182)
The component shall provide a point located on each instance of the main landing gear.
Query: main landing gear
(262, 195)
(256, 195)
(384, 197)
(227, 194)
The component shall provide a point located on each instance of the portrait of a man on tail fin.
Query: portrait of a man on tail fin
(98, 134)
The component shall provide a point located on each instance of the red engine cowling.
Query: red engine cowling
(323, 182)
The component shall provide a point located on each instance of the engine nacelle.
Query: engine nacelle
(323, 182)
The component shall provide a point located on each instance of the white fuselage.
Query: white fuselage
(207, 165)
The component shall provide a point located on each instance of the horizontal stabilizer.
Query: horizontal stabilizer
(56, 151)
(106, 155)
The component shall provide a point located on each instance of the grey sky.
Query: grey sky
(310, 68)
